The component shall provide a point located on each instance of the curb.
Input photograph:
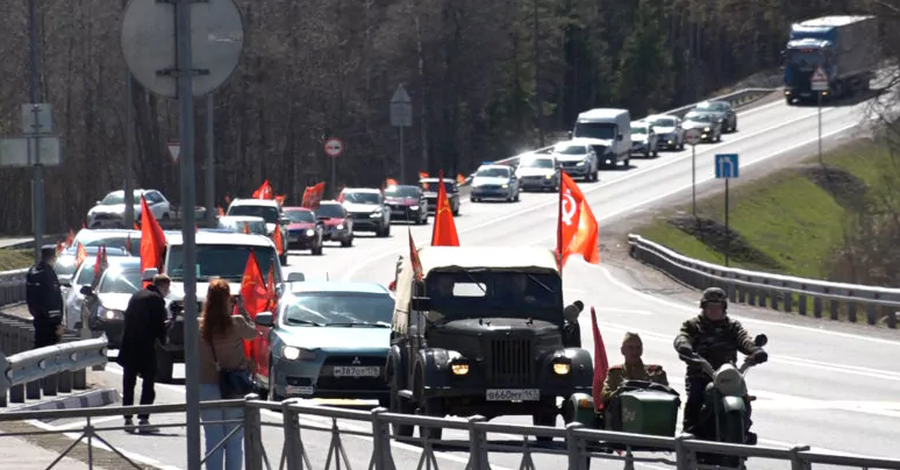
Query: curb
(87, 399)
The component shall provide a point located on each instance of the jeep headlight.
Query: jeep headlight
(310, 232)
(459, 367)
(548, 177)
(561, 367)
(414, 208)
(293, 354)
(505, 185)
(340, 227)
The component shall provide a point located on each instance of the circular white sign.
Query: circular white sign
(692, 136)
(334, 147)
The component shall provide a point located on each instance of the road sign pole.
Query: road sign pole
(185, 67)
(334, 190)
(210, 185)
(38, 185)
(401, 116)
(727, 229)
(129, 152)
(727, 166)
(402, 158)
(820, 127)
(694, 180)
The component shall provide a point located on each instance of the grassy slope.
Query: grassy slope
(786, 216)
(15, 259)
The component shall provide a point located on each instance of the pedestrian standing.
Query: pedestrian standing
(222, 336)
(144, 328)
(44, 299)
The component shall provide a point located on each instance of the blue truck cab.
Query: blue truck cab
(845, 47)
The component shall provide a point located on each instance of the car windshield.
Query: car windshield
(700, 117)
(458, 295)
(95, 239)
(225, 261)
(268, 213)
(118, 197)
(330, 210)
(493, 173)
(124, 282)
(713, 106)
(805, 58)
(539, 163)
(298, 216)
(402, 191)
(664, 122)
(595, 130)
(638, 130)
(340, 309)
(256, 226)
(571, 149)
(432, 186)
(362, 198)
(86, 275)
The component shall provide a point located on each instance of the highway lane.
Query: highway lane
(782, 387)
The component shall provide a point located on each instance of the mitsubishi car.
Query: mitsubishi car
(407, 203)
(723, 111)
(709, 125)
(327, 340)
(338, 223)
(538, 172)
(106, 303)
(367, 209)
(495, 182)
(578, 159)
(669, 130)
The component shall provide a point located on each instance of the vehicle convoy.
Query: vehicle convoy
(222, 255)
(538, 172)
(723, 111)
(483, 332)
(708, 124)
(407, 202)
(496, 182)
(305, 230)
(367, 209)
(268, 209)
(338, 223)
(608, 131)
(846, 48)
(577, 158)
(430, 188)
(327, 340)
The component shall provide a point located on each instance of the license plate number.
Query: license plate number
(509, 394)
(291, 390)
(353, 371)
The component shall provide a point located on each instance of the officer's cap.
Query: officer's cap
(48, 251)
(629, 336)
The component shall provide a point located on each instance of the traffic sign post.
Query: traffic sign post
(401, 116)
(174, 150)
(727, 168)
(692, 138)
(190, 56)
(334, 147)
(818, 82)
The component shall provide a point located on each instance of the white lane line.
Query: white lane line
(138, 458)
(623, 310)
(683, 307)
(349, 274)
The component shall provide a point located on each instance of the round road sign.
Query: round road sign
(692, 136)
(148, 44)
(334, 147)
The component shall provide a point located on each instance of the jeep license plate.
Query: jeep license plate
(356, 371)
(513, 394)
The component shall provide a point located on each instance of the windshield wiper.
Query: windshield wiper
(350, 324)
(475, 281)
(539, 283)
(298, 321)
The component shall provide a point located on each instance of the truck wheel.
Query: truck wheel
(547, 418)
(432, 407)
(400, 406)
(164, 366)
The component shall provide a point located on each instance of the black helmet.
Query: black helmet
(714, 295)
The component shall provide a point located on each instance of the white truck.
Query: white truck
(608, 132)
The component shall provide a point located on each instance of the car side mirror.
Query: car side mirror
(296, 277)
(97, 202)
(86, 291)
(264, 319)
(420, 304)
(572, 312)
(284, 221)
(760, 340)
(620, 137)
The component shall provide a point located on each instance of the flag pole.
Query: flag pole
(559, 256)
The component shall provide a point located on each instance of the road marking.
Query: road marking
(349, 274)
(623, 310)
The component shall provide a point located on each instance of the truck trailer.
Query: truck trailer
(845, 47)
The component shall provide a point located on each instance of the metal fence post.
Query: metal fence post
(684, 458)
(576, 448)
(253, 449)
(478, 453)
(382, 459)
(797, 462)
(293, 443)
(33, 390)
(4, 380)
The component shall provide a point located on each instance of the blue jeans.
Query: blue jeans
(231, 454)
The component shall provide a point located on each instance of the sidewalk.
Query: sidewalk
(17, 454)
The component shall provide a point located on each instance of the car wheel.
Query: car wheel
(347, 243)
(270, 393)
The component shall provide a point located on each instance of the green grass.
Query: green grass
(15, 259)
(785, 218)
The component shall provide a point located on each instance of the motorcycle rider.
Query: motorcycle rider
(716, 338)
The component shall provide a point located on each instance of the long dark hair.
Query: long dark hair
(216, 319)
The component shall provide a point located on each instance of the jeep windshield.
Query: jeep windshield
(344, 309)
(225, 261)
(484, 294)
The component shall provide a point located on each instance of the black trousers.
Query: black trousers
(695, 388)
(129, 382)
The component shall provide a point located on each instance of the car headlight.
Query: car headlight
(459, 367)
(549, 177)
(109, 314)
(294, 354)
(706, 129)
(562, 367)
(415, 208)
(505, 186)
(375, 215)
(310, 232)
(340, 227)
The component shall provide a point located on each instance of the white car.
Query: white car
(110, 211)
(577, 158)
(538, 172)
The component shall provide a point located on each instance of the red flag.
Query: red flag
(221, 212)
(444, 229)
(390, 182)
(247, 228)
(601, 362)
(280, 199)
(153, 240)
(312, 196)
(254, 296)
(70, 238)
(98, 265)
(80, 255)
(137, 226)
(264, 191)
(414, 257)
(278, 238)
(270, 290)
(460, 179)
(128, 244)
(577, 228)
(60, 247)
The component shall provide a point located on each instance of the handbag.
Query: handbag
(232, 383)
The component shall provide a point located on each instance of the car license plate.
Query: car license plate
(292, 390)
(356, 371)
(513, 394)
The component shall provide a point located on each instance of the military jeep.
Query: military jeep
(483, 331)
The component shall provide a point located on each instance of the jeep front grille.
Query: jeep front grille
(511, 363)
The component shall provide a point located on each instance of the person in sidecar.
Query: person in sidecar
(714, 337)
(632, 369)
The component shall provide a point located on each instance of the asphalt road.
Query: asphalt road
(834, 389)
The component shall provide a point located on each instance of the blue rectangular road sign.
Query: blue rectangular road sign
(726, 165)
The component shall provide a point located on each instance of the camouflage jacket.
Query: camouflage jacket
(717, 342)
(620, 373)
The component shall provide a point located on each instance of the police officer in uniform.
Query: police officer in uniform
(716, 338)
(632, 369)
(44, 299)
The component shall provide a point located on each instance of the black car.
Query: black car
(407, 203)
(723, 110)
(709, 125)
(430, 187)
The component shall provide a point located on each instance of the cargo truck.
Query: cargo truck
(846, 48)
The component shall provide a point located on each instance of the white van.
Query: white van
(608, 131)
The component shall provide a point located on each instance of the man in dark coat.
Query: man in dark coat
(145, 325)
(44, 299)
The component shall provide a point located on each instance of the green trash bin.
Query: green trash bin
(650, 412)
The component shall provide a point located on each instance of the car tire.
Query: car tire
(270, 393)
(347, 243)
